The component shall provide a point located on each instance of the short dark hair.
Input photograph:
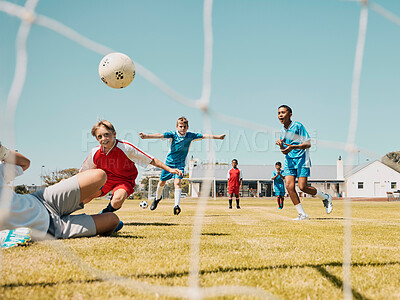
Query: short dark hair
(278, 163)
(287, 108)
(235, 160)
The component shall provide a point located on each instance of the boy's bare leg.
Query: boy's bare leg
(90, 183)
(91, 197)
(290, 186)
(326, 198)
(105, 223)
(118, 198)
(306, 188)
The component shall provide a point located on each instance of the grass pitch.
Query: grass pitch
(257, 246)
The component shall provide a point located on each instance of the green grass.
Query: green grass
(257, 246)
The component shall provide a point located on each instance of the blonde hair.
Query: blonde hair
(105, 123)
(182, 120)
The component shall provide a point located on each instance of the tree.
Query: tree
(57, 176)
(21, 189)
(392, 159)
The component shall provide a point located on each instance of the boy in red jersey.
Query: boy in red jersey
(118, 159)
(49, 210)
(235, 180)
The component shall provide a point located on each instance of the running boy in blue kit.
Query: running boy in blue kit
(279, 185)
(180, 144)
(294, 143)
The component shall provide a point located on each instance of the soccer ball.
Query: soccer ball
(143, 204)
(117, 70)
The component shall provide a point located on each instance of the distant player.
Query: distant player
(118, 159)
(294, 143)
(181, 139)
(279, 185)
(235, 180)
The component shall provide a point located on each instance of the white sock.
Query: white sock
(300, 209)
(320, 195)
(159, 191)
(177, 196)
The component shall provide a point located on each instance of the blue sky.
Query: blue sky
(265, 53)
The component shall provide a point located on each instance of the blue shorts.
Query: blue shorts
(165, 175)
(279, 193)
(301, 172)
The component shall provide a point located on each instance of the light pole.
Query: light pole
(41, 176)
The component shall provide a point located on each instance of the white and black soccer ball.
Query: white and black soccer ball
(143, 204)
(117, 70)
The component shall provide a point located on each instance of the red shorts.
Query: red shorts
(233, 190)
(128, 186)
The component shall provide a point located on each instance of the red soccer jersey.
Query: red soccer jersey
(234, 176)
(119, 162)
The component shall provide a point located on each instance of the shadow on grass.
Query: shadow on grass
(325, 219)
(207, 216)
(126, 236)
(214, 233)
(149, 224)
(321, 268)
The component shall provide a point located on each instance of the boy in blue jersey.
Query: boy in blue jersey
(180, 144)
(294, 143)
(279, 185)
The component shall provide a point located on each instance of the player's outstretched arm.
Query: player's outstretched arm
(151, 136)
(215, 137)
(18, 159)
(157, 163)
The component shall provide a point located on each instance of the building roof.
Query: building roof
(357, 168)
(260, 172)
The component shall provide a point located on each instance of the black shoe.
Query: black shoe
(177, 210)
(238, 207)
(230, 207)
(153, 205)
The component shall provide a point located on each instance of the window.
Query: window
(360, 185)
(393, 185)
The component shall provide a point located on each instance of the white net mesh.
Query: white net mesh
(29, 18)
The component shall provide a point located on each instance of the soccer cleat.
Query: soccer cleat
(177, 210)
(301, 217)
(238, 207)
(230, 206)
(153, 205)
(328, 204)
(15, 237)
(280, 207)
(119, 227)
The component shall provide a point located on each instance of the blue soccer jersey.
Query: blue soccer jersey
(180, 145)
(296, 134)
(279, 186)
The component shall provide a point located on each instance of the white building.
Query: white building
(372, 179)
(257, 179)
